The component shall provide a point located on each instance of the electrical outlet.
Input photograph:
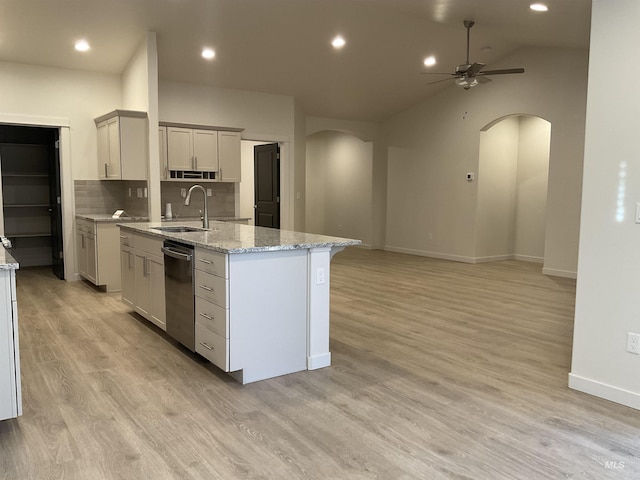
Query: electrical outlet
(320, 276)
(139, 192)
(209, 192)
(633, 343)
(129, 192)
(145, 192)
(183, 192)
(430, 236)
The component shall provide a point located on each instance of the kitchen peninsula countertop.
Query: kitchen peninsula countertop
(235, 238)
(7, 262)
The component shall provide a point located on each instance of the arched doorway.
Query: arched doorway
(512, 189)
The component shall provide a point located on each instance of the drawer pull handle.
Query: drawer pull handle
(208, 289)
(205, 261)
(206, 316)
(206, 346)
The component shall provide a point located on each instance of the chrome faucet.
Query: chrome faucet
(205, 217)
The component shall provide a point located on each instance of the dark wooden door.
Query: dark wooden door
(266, 163)
(57, 258)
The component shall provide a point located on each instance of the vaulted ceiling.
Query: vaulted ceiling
(283, 46)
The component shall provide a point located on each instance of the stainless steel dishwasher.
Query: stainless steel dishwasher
(178, 288)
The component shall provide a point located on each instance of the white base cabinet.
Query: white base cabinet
(97, 246)
(257, 339)
(142, 265)
(10, 386)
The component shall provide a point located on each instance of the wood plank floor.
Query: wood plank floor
(440, 370)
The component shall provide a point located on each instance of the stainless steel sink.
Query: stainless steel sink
(179, 229)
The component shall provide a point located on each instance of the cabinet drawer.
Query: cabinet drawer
(126, 238)
(211, 288)
(86, 226)
(212, 346)
(152, 245)
(212, 316)
(211, 262)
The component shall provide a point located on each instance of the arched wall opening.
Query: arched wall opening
(339, 173)
(513, 175)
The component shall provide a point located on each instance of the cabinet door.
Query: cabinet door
(92, 267)
(103, 150)
(229, 157)
(134, 148)
(157, 313)
(113, 170)
(205, 150)
(141, 284)
(82, 253)
(127, 268)
(162, 140)
(179, 148)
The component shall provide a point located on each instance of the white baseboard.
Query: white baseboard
(493, 258)
(560, 273)
(319, 361)
(602, 390)
(423, 253)
(528, 258)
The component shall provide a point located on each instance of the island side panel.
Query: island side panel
(318, 354)
(268, 313)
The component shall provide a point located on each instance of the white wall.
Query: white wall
(609, 263)
(339, 186)
(434, 144)
(368, 132)
(531, 186)
(140, 92)
(497, 187)
(265, 118)
(74, 95)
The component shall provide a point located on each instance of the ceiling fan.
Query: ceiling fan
(470, 74)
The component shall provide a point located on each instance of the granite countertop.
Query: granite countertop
(198, 219)
(235, 238)
(7, 262)
(106, 217)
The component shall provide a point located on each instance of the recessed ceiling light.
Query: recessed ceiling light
(208, 53)
(82, 45)
(538, 7)
(430, 61)
(338, 42)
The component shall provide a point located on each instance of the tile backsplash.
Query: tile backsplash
(221, 203)
(107, 196)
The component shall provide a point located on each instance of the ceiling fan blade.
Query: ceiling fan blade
(504, 71)
(437, 73)
(473, 69)
(483, 79)
(439, 81)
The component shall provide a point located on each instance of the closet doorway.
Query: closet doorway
(31, 195)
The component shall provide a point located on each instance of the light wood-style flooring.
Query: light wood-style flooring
(440, 370)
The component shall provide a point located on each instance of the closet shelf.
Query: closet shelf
(26, 205)
(27, 235)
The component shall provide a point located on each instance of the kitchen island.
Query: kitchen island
(261, 295)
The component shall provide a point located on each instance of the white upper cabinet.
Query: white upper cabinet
(122, 145)
(229, 157)
(203, 153)
(192, 149)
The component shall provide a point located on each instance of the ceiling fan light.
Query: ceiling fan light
(430, 61)
(466, 82)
